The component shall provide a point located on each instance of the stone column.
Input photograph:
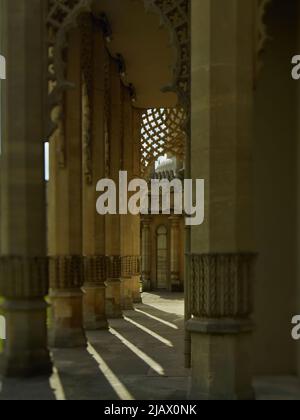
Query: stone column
(113, 294)
(23, 260)
(130, 224)
(136, 221)
(66, 281)
(146, 253)
(221, 154)
(65, 210)
(93, 150)
(174, 253)
(114, 141)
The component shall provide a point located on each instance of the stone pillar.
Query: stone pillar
(114, 144)
(66, 281)
(136, 221)
(221, 154)
(146, 253)
(130, 224)
(65, 210)
(23, 260)
(93, 150)
(94, 289)
(113, 293)
(127, 283)
(174, 252)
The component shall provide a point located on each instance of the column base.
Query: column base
(221, 360)
(67, 319)
(25, 351)
(113, 299)
(94, 311)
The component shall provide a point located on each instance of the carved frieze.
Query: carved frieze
(66, 272)
(94, 270)
(222, 285)
(23, 277)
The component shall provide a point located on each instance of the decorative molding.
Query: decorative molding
(107, 105)
(23, 277)
(131, 266)
(260, 34)
(63, 15)
(94, 270)
(175, 15)
(222, 285)
(66, 272)
(87, 52)
(113, 267)
(162, 132)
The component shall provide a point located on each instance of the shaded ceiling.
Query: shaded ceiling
(145, 45)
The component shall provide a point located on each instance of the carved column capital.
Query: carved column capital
(23, 277)
(222, 285)
(114, 267)
(131, 266)
(94, 270)
(66, 272)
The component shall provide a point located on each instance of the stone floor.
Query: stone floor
(141, 357)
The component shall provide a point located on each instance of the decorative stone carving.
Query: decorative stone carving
(131, 266)
(23, 277)
(114, 267)
(107, 113)
(222, 285)
(175, 15)
(87, 51)
(260, 35)
(162, 132)
(66, 272)
(64, 14)
(94, 270)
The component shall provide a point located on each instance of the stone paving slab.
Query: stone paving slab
(140, 357)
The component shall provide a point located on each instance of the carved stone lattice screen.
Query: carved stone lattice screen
(161, 133)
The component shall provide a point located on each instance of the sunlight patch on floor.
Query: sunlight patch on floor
(139, 353)
(155, 318)
(150, 332)
(113, 380)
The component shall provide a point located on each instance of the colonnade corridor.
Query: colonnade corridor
(141, 357)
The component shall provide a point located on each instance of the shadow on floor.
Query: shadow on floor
(139, 358)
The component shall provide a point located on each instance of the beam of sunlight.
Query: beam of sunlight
(150, 332)
(56, 385)
(115, 383)
(139, 353)
(162, 321)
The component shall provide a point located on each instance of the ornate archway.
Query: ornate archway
(63, 15)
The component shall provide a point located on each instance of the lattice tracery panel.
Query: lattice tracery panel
(162, 132)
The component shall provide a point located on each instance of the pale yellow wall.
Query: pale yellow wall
(275, 196)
